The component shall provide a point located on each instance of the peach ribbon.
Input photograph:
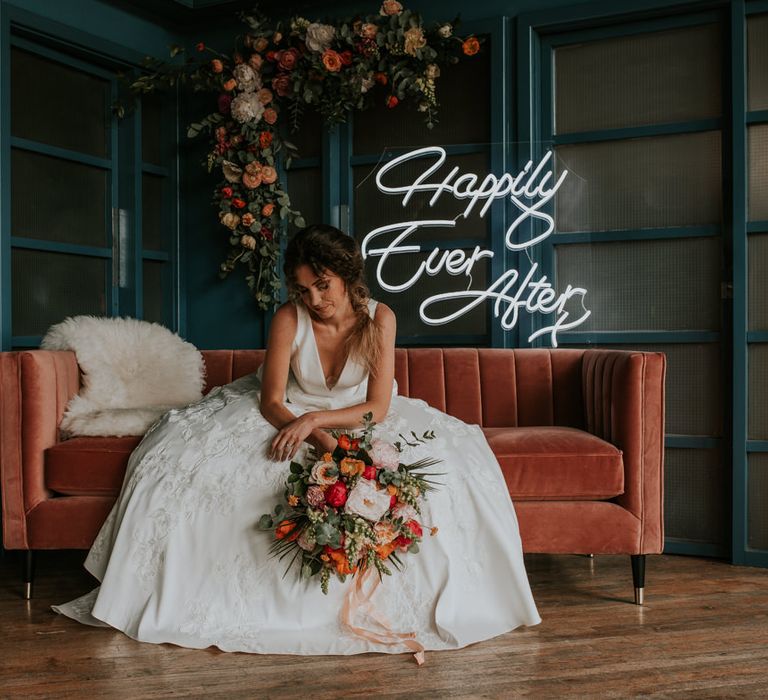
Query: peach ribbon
(357, 599)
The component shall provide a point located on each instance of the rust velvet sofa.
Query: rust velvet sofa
(579, 436)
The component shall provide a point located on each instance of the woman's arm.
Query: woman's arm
(377, 400)
(274, 378)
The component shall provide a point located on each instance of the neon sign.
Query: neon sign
(529, 191)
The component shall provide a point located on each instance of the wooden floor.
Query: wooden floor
(702, 633)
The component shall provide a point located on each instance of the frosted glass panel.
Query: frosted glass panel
(374, 209)
(655, 78)
(464, 93)
(58, 200)
(153, 290)
(659, 181)
(758, 392)
(645, 285)
(48, 287)
(58, 105)
(758, 172)
(757, 62)
(406, 304)
(757, 500)
(694, 495)
(758, 282)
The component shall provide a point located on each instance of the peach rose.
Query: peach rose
(385, 532)
(390, 7)
(230, 220)
(230, 85)
(248, 219)
(270, 115)
(268, 174)
(248, 242)
(265, 96)
(414, 40)
(260, 44)
(369, 31)
(217, 66)
(256, 61)
(251, 181)
(267, 210)
(331, 61)
(352, 467)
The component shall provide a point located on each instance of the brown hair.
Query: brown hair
(322, 248)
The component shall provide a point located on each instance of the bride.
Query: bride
(180, 558)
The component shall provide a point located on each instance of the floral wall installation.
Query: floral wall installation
(276, 71)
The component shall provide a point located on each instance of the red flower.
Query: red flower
(265, 139)
(346, 58)
(266, 233)
(370, 473)
(226, 192)
(282, 84)
(200, 46)
(287, 59)
(392, 102)
(403, 541)
(392, 501)
(238, 203)
(414, 527)
(336, 494)
(345, 442)
(355, 445)
(272, 56)
(381, 78)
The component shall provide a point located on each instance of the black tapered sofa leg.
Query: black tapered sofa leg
(29, 573)
(638, 576)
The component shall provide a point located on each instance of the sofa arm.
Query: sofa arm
(35, 387)
(624, 404)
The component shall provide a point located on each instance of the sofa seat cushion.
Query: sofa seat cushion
(557, 463)
(88, 466)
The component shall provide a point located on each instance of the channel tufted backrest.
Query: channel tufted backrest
(489, 387)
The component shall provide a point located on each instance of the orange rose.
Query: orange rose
(331, 61)
(253, 168)
(270, 115)
(268, 174)
(327, 457)
(256, 61)
(248, 219)
(384, 550)
(230, 85)
(470, 46)
(265, 140)
(265, 96)
(352, 467)
(369, 31)
(285, 528)
(381, 78)
(260, 44)
(340, 561)
(267, 210)
(217, 66)
(392, 101)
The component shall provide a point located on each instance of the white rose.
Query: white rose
(405, 511)
(366, 501)
(445, 31)
(247, 107)
(384, 455)
(319, 36)
(247, 79)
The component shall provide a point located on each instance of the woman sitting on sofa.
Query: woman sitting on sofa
(179, 557)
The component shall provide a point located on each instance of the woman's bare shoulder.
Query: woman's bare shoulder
(285, 320)
(384, 316)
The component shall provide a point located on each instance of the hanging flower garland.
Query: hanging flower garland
(263, 89)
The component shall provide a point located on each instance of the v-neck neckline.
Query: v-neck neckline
(319, 361)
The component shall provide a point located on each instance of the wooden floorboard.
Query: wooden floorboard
(703, 632)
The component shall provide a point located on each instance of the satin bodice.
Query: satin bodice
(306, 382)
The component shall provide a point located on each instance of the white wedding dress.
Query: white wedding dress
(180, 558)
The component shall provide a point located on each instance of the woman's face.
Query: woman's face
(324, 295)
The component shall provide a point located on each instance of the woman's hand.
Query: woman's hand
(290, 437)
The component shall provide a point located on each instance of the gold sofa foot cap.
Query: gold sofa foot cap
(28, 590)
(639, 596)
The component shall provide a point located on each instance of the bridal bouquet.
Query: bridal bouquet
(352, 510)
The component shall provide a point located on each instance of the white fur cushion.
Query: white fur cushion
(133, 372)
